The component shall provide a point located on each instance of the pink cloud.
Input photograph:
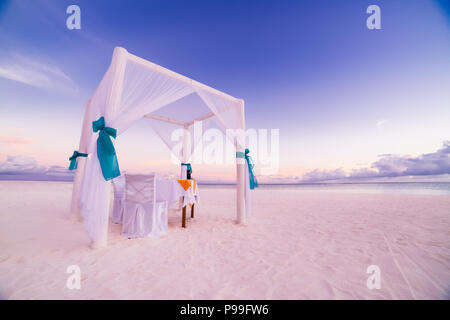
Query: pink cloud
(389, 166)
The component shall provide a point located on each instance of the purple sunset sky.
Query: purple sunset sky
(350, 103)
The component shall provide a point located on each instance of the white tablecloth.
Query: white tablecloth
(171, 191)
(168, 190)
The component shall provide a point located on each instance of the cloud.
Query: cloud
(317, 175)
(26, 168)
(389, 166)
(277, 179)
(15, 140)
(381, 122)
(18, 164)
(426, 164)
(36, 73)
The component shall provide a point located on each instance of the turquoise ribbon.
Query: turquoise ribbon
(105, 149)
(73, 159)
(188, 165)
(251, 165)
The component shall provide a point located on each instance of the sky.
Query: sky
(349, 103)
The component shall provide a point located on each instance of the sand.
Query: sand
(298, 245)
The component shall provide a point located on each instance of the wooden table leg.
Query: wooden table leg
(183, 221)
(192, 211)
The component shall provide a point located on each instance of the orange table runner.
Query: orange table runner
(187, 183)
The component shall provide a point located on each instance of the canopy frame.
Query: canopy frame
(114, 87)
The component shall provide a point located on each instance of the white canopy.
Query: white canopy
(132, 89)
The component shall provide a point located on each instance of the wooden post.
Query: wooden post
(192, 211)
(183, 221)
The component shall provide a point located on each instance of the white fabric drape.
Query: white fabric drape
(171, 135)
(228, 114)
(95, 191)
(131, 89)
(144, 91)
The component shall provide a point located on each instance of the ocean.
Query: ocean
(427, 188)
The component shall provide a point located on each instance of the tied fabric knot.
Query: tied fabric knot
(188, 166)
(73, 159)
(106, 152)
(251, 165)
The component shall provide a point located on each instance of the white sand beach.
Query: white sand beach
(298, 245)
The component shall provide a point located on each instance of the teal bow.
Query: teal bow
(188, 166)
(251, 165)
(73, 159)
(105, 149)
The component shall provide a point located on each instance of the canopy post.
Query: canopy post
(185, 147)
(240, 190)
(240, 172)
(118, 65)
(81, 162)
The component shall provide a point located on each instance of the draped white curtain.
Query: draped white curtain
(171, 135)
(131, 89)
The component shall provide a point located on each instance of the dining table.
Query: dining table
(182, 190)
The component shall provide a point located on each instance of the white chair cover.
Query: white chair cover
(143, 216)
(119, 196)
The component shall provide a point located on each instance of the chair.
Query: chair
(119, 195)
(143, 216)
